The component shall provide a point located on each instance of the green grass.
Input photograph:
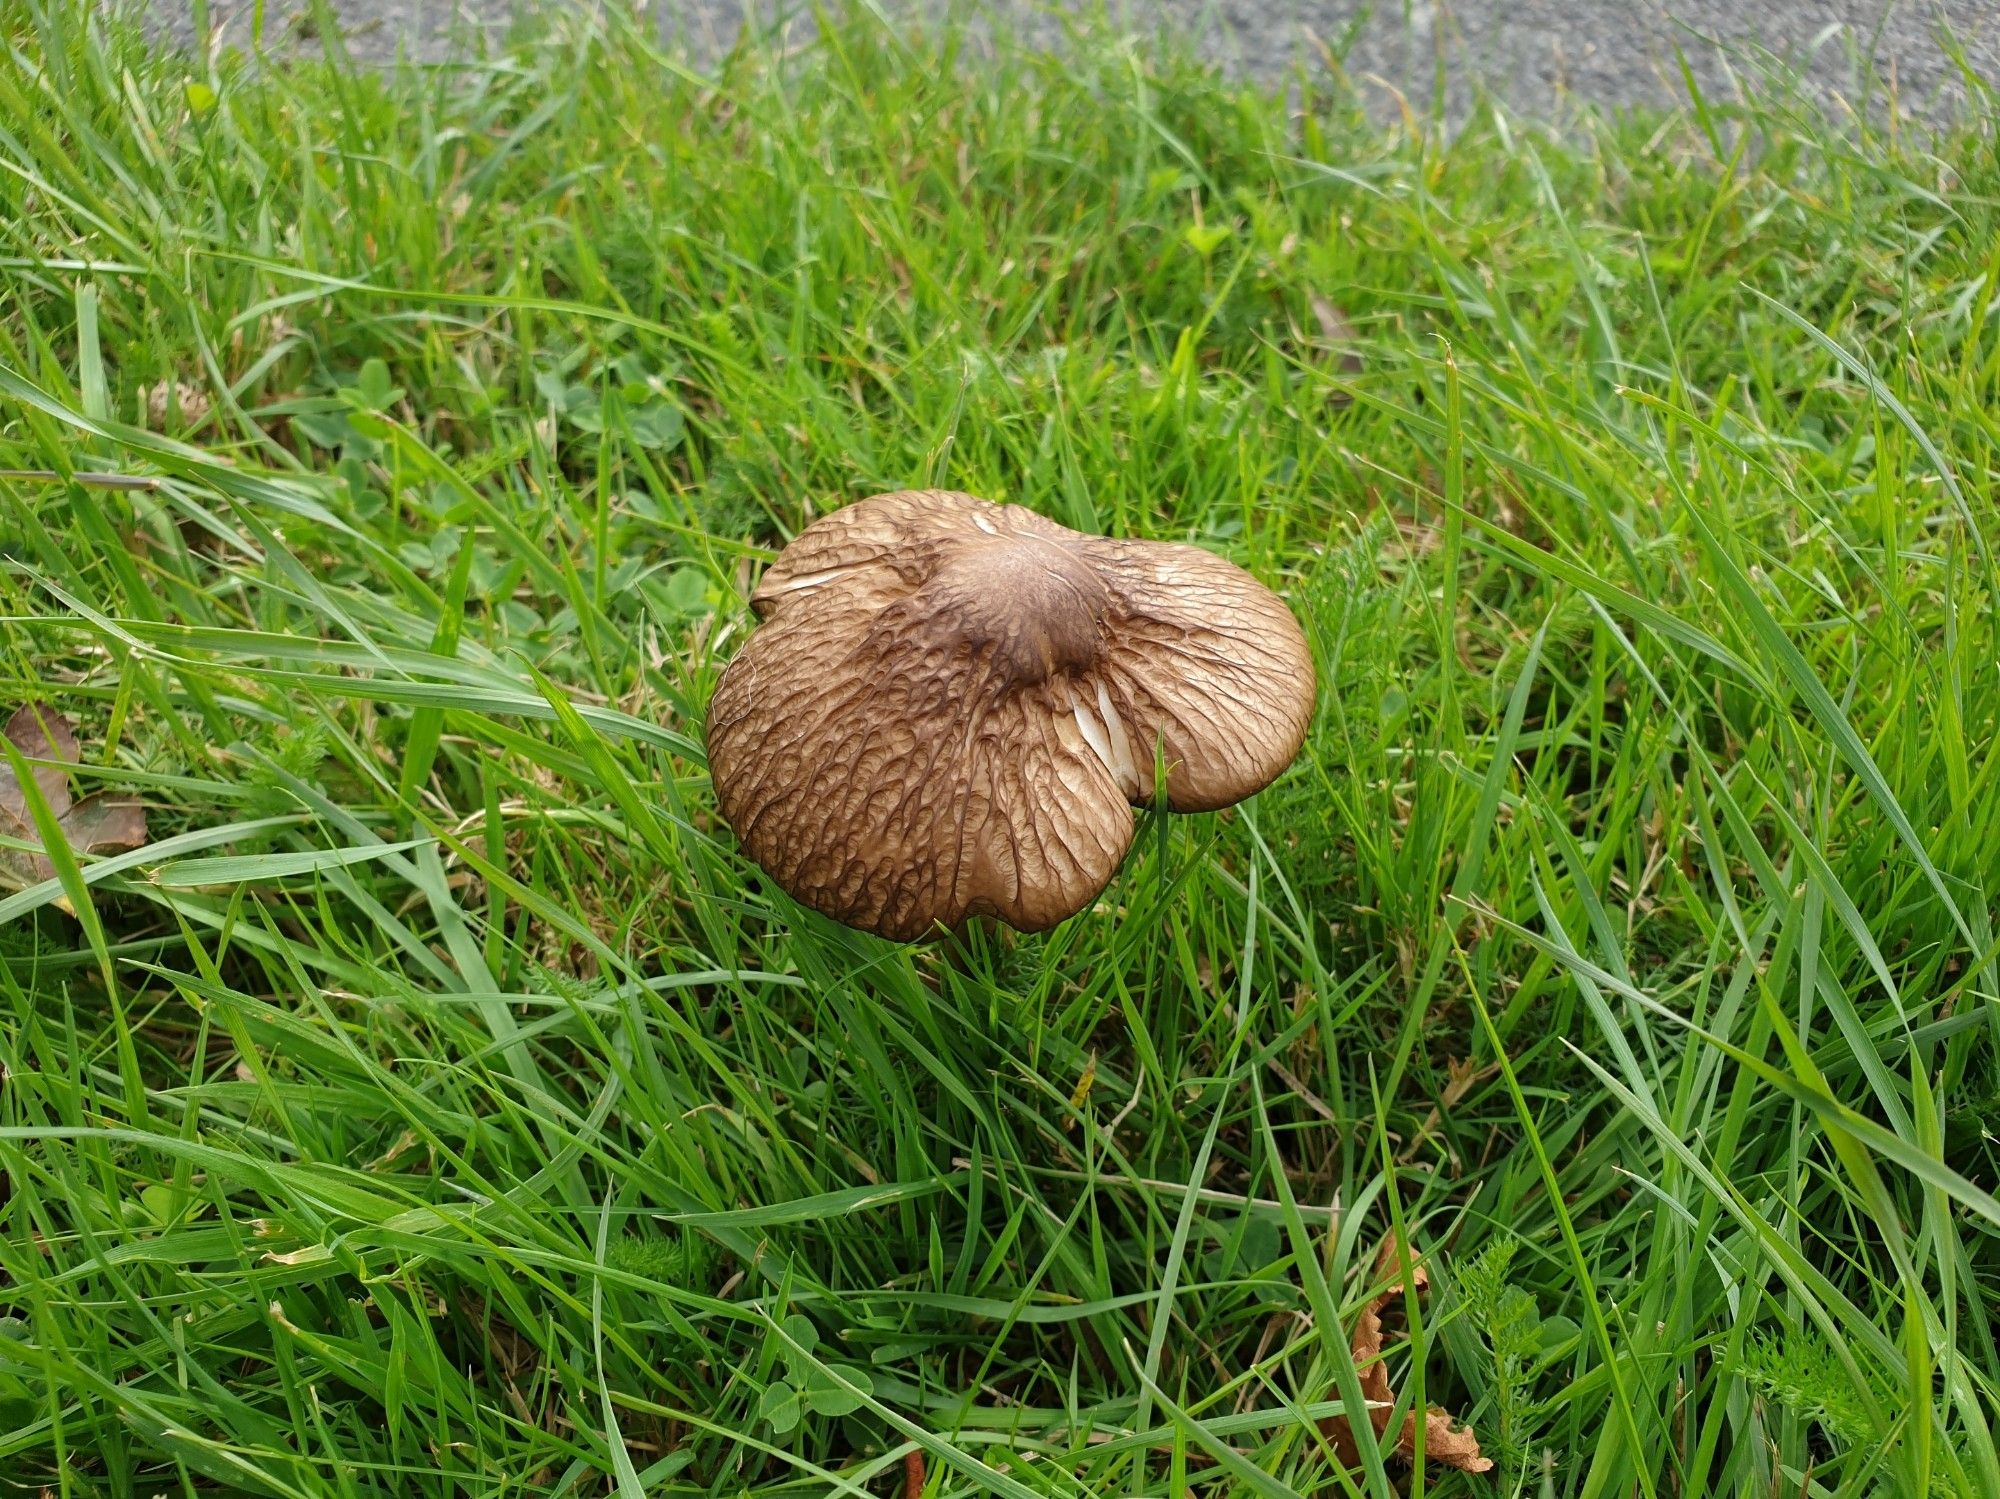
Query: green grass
(442, 1106)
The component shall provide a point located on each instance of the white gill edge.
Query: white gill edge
(809, 580)
(1107, 739)
(1127, 769)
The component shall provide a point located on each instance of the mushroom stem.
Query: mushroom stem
(981, 931)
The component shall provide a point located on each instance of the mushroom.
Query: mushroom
(950, 708)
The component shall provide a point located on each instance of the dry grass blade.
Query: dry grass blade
(88, 478)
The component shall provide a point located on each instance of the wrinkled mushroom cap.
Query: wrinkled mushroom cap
(951, 707)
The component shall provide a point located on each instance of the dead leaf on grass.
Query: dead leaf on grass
(1339, 336)
(1462, 1076)
(1335, 329)
(104, 822)
(170, 397)
(1446, 1442)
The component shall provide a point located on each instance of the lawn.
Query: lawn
(440, 1104)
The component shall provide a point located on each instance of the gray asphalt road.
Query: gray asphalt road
(1541, 56)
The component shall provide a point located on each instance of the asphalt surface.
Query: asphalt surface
(1542, 57)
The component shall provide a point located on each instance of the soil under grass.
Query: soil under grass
(440, 1105)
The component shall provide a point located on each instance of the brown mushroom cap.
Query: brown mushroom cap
(951, 706)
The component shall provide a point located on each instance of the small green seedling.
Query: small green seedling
(810, 1388)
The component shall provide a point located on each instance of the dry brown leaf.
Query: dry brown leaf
(1461, 1077)
(170, 396)
(1333, 324)
(1446, 1442)
(102, 823)
(39, 733)
(1338, 332)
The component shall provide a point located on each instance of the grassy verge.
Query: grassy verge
(441, 1106)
